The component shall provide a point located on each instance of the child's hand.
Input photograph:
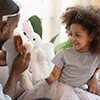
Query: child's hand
(93, 85)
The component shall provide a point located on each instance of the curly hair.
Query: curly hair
(89, 18)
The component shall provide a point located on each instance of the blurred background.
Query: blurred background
(50, 11)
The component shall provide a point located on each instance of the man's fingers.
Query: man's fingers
(94, 91)
(90, 89)
(28, 57)
(24, 52)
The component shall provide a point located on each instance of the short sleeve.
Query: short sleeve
(98, 62)
(58, 60)
(3, 96)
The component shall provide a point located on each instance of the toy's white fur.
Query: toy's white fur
(9, 45)
(39, 67)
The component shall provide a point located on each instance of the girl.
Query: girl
(76, 66)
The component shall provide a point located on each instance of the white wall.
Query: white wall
(50, 12)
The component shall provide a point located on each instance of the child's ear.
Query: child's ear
(91, 37)
(18, 43)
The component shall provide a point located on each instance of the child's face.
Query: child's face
(79, 38)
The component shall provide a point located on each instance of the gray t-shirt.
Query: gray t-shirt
(77, 68)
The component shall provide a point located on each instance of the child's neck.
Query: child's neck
(83, 51)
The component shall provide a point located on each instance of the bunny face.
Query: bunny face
(35, 39)
(32, 36)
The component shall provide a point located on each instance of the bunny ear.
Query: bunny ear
(18, 43)
(27, 28)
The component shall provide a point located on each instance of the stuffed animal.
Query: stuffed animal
(39, 66)
(11, 45)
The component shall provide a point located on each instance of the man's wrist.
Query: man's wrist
(14, 75)
(10, 86)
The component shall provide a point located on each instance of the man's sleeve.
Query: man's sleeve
(2, 95)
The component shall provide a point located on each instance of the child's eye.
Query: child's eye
(70, 34)
(77, 35)
(33, 39)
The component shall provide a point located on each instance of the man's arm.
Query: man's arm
(10, 86)
(20, 64)
(97, 73)
(93, 83)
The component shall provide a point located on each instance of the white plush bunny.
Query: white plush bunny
(39, 66)
(12, 52)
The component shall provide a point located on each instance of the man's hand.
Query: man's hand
(20, 64)
(3, 58)
(93, 85)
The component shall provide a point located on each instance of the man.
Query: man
(9, 17)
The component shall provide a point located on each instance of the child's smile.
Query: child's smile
(75, 44)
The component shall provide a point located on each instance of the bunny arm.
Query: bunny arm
(25, 82)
